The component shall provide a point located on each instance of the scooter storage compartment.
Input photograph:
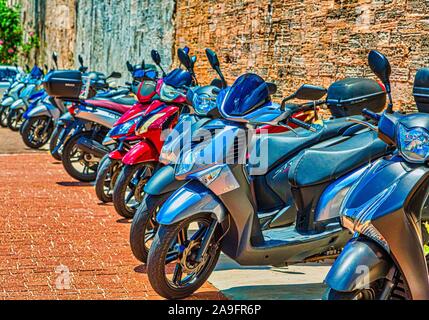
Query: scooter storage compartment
(350, 96)
(64, 84)
(421, 90)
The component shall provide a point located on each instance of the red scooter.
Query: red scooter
(142, 160)
(123, 132)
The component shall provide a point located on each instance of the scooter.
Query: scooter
(142, 160)
(123, 132)
(160, 187)
(67, 125)
(41, 117)
(386, 210)
(28, 95)
(12, 95)
(232, 185)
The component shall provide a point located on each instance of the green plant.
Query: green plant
(10, 33)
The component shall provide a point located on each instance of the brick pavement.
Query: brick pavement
(50, 223)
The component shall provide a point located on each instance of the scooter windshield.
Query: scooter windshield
(178, 78)
(247, 93)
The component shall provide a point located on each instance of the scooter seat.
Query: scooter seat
(315, 166)
(286, 144)
(108, 104)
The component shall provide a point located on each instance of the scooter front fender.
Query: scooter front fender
(65, 119)
(191, 199)
(140, 153)
(44, 110)
(361, 262)
(18, 104)
(7, 102)
(117, 154)
(163, 181)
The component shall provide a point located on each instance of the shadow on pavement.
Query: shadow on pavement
(74, 184)
(308, 291)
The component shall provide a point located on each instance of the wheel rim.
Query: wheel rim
(181, 270)
(110, 179)
(79, 162)
(17, 118)
(38, 132)
(134, 190)
(151, 229)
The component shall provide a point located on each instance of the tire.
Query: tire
(144, 218)
(28, 130)
(14, 119)
(108, 169)
(68, 152)
(124, 180)
(3, 116)
(372, 293)
(164, 238)
(54, 141)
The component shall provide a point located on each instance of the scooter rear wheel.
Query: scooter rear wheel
(72, 157)
(171, 268)
(36, 131)
(107, 174)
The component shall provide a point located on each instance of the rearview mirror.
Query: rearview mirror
(212, 57)
(380, 65)
(272, 88)
(130, 66)
(115, 75)
(309, 92)
(80, 59)
(184, 58)
(55, 58)
(155, 57)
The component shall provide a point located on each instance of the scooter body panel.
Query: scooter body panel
(163, 181)
(18, 104)
(389, 197)
(101, 116)
(117, 154)
(44, 109)
(142, 152)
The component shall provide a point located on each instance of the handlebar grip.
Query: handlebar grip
(302, 124)
(371, 115)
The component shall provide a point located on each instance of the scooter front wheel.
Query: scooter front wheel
(144, 226)
(15, 119)
(128, 192)
(107, 175)
(173, 269)
(36, 131)
(4, 112)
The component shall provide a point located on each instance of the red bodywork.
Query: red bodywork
(303, 116)
(149, 148)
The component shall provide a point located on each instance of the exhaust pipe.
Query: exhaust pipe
(92, 147)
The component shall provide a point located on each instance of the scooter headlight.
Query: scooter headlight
(186, 164)
(123, 128)
(413, 144)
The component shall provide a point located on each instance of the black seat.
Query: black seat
(285, 145)
(316, 166)
(126, 101)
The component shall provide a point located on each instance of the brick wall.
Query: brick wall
(307, 41)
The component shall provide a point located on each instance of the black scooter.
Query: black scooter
(386, 211)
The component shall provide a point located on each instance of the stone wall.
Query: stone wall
(292, 42)
(286, 41)
(111, 32)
